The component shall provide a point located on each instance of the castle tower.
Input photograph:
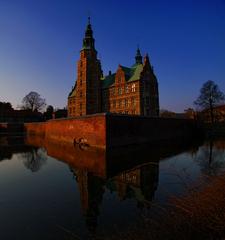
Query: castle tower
(149, 90)
(85, 97)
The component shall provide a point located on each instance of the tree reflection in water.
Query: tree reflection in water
(34, 159)
(211, 158)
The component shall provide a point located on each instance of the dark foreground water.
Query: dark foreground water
(53, 191)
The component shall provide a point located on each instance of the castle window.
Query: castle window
(126, 103)
(133, 102)
(127, 89)
(147, 87)
(120, 91)
(133, 87)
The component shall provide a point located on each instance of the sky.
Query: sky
(40, 42)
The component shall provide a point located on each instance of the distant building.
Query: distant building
(21, 116)
(130, 90)
(60, 113)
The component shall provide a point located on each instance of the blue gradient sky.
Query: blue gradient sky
(40, 43)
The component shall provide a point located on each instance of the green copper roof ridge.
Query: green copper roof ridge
(132, 73)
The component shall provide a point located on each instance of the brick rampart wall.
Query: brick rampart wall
(125, 129)
(101, 130)
(86, 130)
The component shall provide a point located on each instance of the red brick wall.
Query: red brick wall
(89, 128)
(125, 129)
(103, 130)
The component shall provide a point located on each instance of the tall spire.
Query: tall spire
(138, 57)
(88, 41)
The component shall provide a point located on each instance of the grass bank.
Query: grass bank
(198, 215)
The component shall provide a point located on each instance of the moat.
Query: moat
(51, 191)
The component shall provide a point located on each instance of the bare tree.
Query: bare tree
(33, 101)
(210, 96)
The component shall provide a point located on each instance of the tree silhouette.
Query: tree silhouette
(5, 106)
(210, 96)
(33, 101)
(48, 113)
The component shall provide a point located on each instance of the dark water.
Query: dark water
(55, 191)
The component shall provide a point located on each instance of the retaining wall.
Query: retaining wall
(112, 130)
(139, 129)
(89, 130)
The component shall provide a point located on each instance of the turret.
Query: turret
(89, 41)
(138, 57)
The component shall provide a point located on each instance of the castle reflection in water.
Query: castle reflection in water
(131, 172)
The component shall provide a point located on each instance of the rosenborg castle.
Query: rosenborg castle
(130, 90)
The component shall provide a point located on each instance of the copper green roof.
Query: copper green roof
(131, 74)
(137, 69)
(108, 80)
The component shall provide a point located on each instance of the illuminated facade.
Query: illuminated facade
(132, 90)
